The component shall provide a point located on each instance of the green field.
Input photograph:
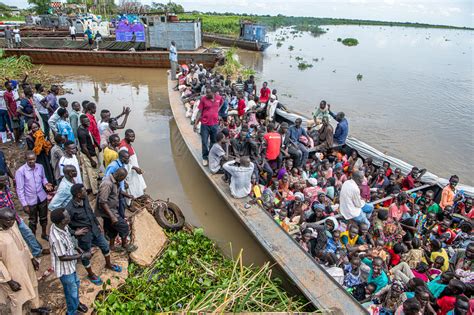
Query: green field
(229, 24)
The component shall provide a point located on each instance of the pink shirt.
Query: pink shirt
(396, 212)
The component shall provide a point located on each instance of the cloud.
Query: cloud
(454, 10)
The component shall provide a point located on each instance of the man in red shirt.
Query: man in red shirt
(208, 115)
(273, 140)
(265, 93)
(413, 178)
(10, 101)
(93, 129)
(241, 106)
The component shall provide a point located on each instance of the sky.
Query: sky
(448, 12)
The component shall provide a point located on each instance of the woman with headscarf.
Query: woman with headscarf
(36, 142)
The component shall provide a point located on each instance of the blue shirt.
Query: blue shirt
(112, 168)
(62, 196)
(342, 130)
(65, 129)
(296, 133)
(173, 54)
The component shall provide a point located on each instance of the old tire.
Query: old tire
(170, 217)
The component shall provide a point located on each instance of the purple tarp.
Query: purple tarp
(124, 32)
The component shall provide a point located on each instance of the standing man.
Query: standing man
(342, 128)
(208, 115)
(72, 31)
(136, 182)
(63, 192)
(89, 161)
(31, 183)
(93, 127)
(9, 37)
(83, 218)
(108, 208)
(16, 33)
(51, 100)
(64, 258)
(10, 101)
(18, 280)
(173, 60)
(69, 158)
(56, 154)
(74, 117)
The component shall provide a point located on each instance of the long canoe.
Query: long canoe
(140, 59)
(310, 278)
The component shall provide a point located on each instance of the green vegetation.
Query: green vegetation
(304, 65)
(217, 24)
(17, 67)
(40, 6)
(193, 276)
(279, 44)
(315, 30)
(167, 7)
(359, 77)
(339, 39)
(350, 41)
(228, 23)
(291, 48)
(232, 67)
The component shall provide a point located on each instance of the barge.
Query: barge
(140, 59)
(309, 277)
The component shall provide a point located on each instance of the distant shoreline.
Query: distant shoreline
(228, 24)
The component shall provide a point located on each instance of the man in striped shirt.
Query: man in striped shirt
(64, 256)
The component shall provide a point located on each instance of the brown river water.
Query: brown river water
(170, 169)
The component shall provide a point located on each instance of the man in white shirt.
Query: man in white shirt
(241, 175)
(352, 206)
(70, 158)
(72, 32)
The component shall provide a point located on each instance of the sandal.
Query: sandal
(95, 280)
(116, 268)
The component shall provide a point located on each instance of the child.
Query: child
(465, 273)
(352, 276)
(363, 292)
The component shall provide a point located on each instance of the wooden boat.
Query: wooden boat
(140, 59)
(310, 278)
(234, 41)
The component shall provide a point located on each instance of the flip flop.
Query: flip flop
(116, 268)
(97, 281)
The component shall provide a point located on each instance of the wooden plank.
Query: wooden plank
(311, 279)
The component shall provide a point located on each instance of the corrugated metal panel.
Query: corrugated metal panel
(187, 35)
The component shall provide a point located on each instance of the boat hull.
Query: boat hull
(310, 278)
(229, 41)
(145, 59)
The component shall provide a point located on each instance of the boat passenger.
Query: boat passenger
(241, 171)
(265, 93)
(342, 128)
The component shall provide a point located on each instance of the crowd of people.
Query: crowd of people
(78, 179)
(395, 247)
